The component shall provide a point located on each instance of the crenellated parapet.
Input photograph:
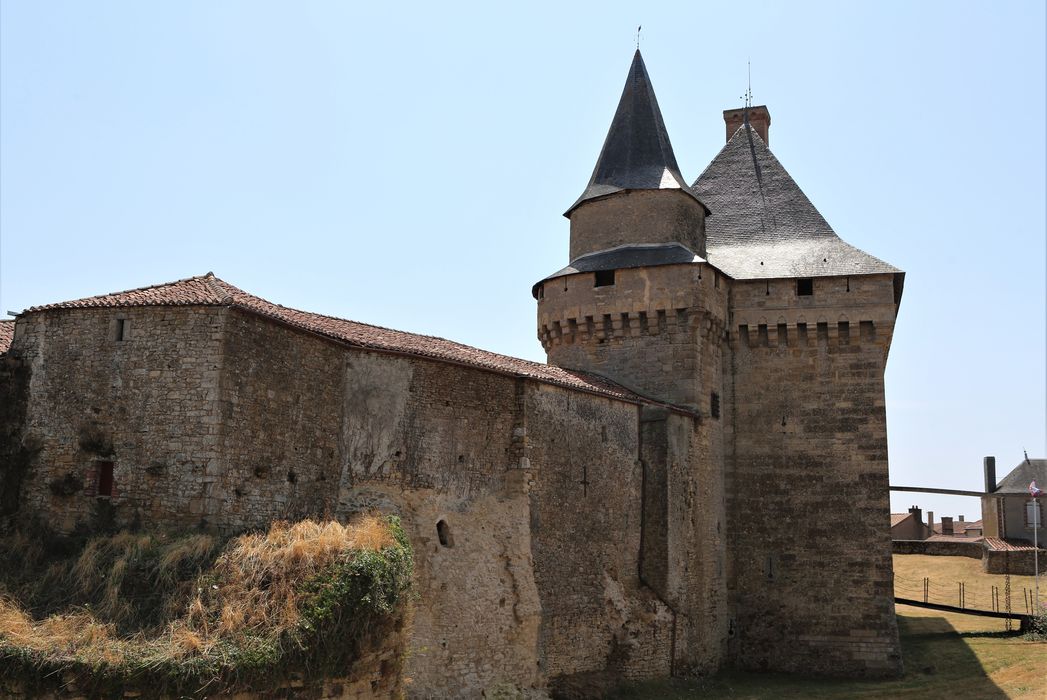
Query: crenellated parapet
(835, 311)
(654, 301)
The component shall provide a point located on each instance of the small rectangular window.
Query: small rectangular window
(804, 287)
(104, 471)
(1033, 514)
(604, 278)
(121, 328)
(714, 405)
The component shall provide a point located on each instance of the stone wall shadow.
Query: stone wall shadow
(931, 646)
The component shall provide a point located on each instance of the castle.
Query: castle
(697, 478)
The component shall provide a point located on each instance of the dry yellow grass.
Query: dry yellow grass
(946, 572)
(255, 591)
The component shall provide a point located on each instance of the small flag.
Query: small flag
(1034, 491)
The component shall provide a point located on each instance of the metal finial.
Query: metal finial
(1026, 456)
(749, 91)
(638, 28)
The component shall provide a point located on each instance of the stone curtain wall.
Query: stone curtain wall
(281, 413)
(148, 404)
(585, 524)
(807, 488)
(972, 550)
(523, 500)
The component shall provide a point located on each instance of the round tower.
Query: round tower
(638, 297)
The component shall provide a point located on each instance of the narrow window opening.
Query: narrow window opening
(104, 471)
(716, 281)
(804, 287)
(770, 568)
(848, 284)
(121, 328)
(768, 289)
(1033, 514)
(714, 405)
(444, 533)
(604, 278)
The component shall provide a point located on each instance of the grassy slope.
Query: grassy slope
(269, 605)
(946, 655)
(945, 572)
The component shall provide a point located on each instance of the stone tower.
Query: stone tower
(735, 299)
(639, 305)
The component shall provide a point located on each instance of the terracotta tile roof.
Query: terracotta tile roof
(1005, 546)
(897, 518)
(7, 334)
(954, 538)
(208, 290)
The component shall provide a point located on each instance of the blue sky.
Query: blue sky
(407, 165)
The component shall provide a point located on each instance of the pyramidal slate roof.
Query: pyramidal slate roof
(1021, 476)
(763, 225)
(636, 154)
(208, 290)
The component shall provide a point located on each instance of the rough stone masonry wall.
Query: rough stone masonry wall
(638, 216)
(683, 535)
(518, 583)
(215, 416)
(147, 403)
(585, 527)
(429, 441)
(810, 569)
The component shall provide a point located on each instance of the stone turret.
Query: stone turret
(638, 296)
(636, 193)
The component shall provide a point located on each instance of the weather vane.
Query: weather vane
(748, 96)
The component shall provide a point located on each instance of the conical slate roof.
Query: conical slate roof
(763, 225)
(637, 154)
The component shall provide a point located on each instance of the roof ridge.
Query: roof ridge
(149, 286)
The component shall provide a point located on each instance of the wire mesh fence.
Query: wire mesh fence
(970, 596)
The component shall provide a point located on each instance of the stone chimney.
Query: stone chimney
(989, 463)
(946, 525)
(930, 520)
(917, 514)
(960, 518)
(759, 120)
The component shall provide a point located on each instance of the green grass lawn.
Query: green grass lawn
(946, 655)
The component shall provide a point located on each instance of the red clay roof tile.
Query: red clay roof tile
(7, 334)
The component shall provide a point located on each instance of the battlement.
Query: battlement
(629, 324)
(804, 335)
